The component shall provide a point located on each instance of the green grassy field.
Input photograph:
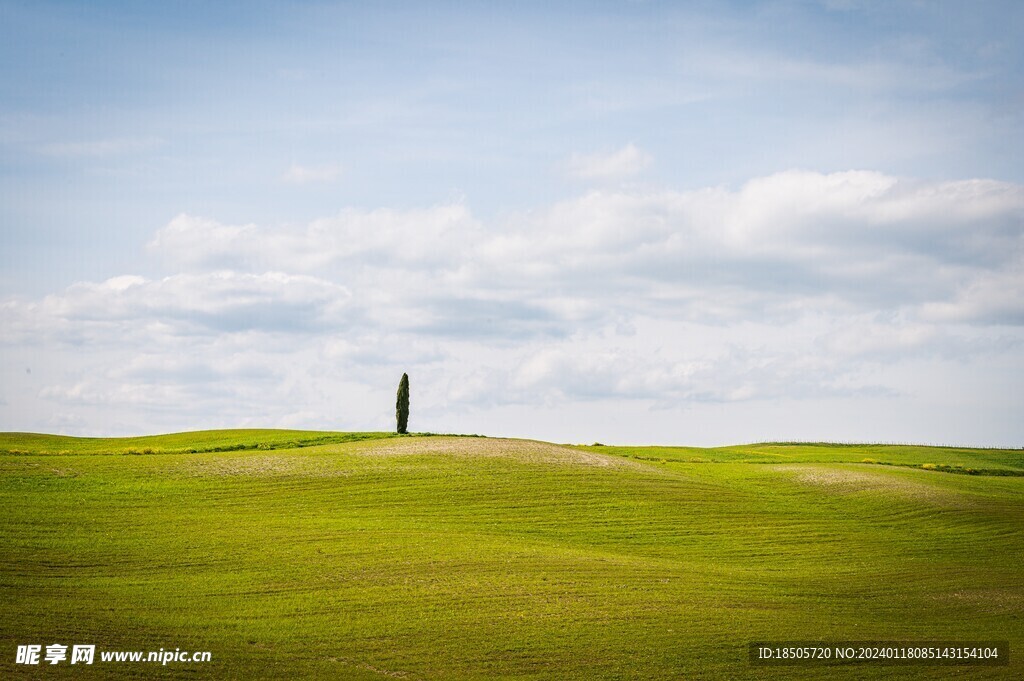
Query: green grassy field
(292, 554)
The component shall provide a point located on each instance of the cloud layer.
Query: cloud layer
(778, 246)
(795, 286)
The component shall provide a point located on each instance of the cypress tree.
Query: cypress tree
(402, 406)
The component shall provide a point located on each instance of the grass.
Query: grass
(362, 556)
(176, 443)
(986, 461)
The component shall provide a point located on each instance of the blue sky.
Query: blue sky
(628, 221)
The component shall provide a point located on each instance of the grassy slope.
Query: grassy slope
(447, 558)
(984, 460)
(177, 443)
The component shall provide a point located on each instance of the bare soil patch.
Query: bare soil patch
(529, 451)
(847, 481)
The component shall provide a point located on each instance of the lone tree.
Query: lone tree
(402, 405)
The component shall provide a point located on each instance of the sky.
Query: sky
(693, 223)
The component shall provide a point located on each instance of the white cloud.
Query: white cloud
(992, 298)
(863, 337)
(215, 302)
(574, 370)
(298, 174)
(624, 163)
(414, 238)
(195, 241)
(780, 245)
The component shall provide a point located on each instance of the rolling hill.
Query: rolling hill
(295, 554)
